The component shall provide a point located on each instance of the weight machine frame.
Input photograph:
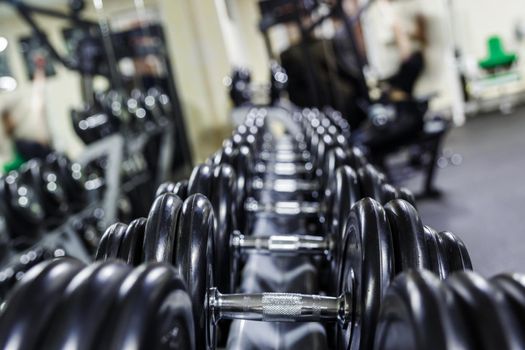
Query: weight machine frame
(26, 12)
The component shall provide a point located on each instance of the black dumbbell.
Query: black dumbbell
(298, 155)
(343, 192)
(63, 303)
(239, 86)
(11, 274)
(465, 311)
(332, 157)
(371, 252)
(72, 177)
(91, 124)
(49, 190)
(366, 183)
(219, 185)
(163, 101)
(21, 207)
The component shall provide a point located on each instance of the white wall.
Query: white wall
(475, 21)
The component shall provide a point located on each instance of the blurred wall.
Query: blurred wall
(474, 21)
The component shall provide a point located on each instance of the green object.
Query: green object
(496, 55)
(14, 163)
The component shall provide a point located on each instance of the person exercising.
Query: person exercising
(380, 134)
(410, 45)
(26, 132)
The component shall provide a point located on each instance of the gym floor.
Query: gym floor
(483, 198)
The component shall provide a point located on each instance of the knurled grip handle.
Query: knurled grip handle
(289, 306)
(280, 307)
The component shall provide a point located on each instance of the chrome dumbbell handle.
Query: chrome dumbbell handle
(283, 207)
(285, 185)
(284, 168)
(280, 307)
(281, 244)
(287, 156)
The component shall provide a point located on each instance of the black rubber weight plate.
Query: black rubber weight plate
(389, 192)
(161, 229)
(132, 242)
(513, 287)
(371, 183)
(414, 315)
(369, 252)
(166, 187)
(152, 311)
(408, 236)
(181, 189)
(345, 195)
(465, 257)
(225, 215)
(115, 234)
(452, 251)
(436, 253)
(84, 306)
(406, 194)
(39, 290)
(485, 310)
(194, 256)
(200, 180)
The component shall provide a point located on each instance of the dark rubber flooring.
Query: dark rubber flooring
(483, 198)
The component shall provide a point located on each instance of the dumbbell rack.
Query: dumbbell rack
(282, 274)
(118, 149)
(57, 242)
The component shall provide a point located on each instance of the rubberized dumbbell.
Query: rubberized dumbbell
(63, 303)
(183, 234)
(465, 311)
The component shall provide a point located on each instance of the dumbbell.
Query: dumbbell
(278, 81)
(183, 234)
(345, 192)
(149, 104)
(92, 124)
(295, 153)
(63, 303)
(371, 181)
(330, 154)
(465, 311)
(58, 183)
(163, 101)
(219, 185)
(331, 159)
(9, 275)
(286, 152)
(21, 207)
(250, 164)
(239, 86)
(49, 190)
(289, 169)
(72, 177)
